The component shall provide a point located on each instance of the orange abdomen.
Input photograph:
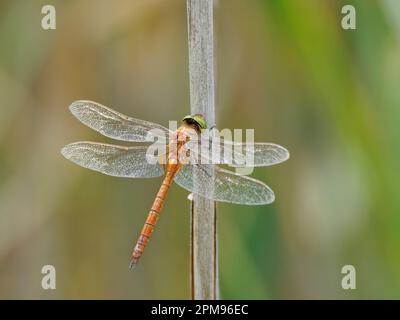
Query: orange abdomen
(152, 217)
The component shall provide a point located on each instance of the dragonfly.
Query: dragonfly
(180, 161)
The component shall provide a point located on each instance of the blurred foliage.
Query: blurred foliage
(285, 68)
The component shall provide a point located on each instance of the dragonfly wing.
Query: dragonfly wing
(222, 185)
(113, 160)
(116, 125)
(258, 154)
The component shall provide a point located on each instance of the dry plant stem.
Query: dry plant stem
(204, 269)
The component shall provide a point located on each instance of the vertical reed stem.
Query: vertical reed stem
(204, 262)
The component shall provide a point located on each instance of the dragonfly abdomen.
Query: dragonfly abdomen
(152, 218)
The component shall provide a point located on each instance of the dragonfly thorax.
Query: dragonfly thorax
(178, 152)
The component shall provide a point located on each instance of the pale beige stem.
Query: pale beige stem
(204, 261)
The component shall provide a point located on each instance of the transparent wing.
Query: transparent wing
(113, 160)
(257, 154)
(116, 125)
(223, 185)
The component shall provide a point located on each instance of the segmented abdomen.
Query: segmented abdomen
(152, 218)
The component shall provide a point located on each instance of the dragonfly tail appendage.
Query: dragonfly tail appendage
(151, 220)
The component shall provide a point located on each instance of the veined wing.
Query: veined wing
(116, 125)
(222, 185)
(113, 160)
(258, 154)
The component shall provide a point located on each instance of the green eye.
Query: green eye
(197, 119)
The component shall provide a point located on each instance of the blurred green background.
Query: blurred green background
(285, 68)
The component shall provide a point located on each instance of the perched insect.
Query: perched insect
(181, 161)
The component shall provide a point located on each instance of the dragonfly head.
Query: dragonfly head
(197, 120)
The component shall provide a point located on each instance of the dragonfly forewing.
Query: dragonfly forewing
(236, 154)
(116, 125)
